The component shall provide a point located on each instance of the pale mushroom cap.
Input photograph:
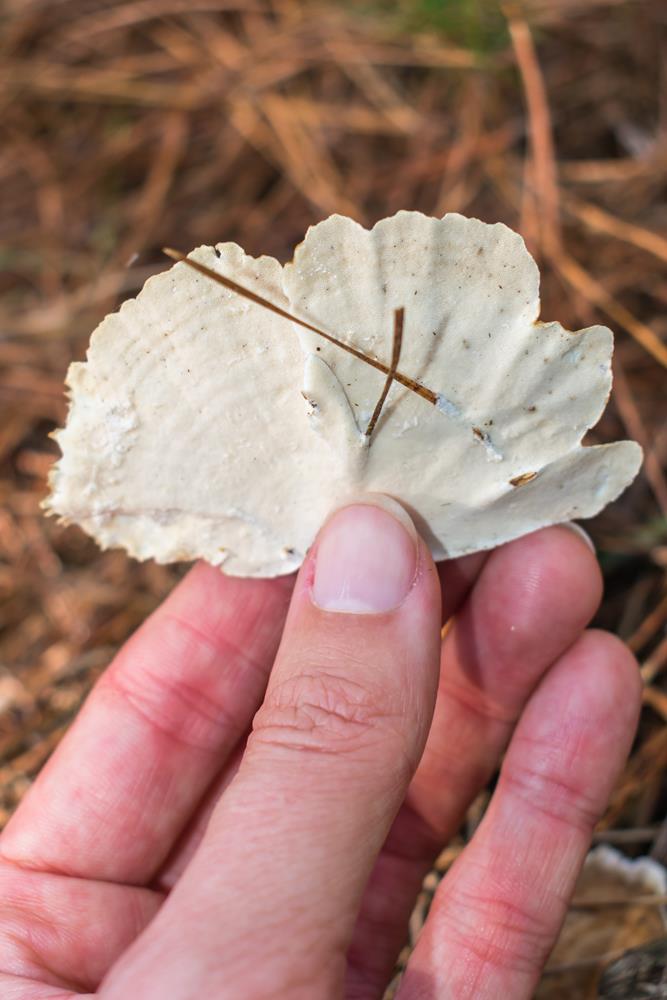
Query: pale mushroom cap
(189, 435)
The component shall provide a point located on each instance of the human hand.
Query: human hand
(162, 855)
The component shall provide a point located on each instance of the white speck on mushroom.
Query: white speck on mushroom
(447, 407)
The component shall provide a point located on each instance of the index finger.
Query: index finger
(153, 734)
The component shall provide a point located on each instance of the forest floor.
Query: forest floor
(127, 126)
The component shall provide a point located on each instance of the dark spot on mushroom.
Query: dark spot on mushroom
(531, 409)
(524, 478)
(311, 402)
(479, 433)
(217, 254)
(480, 251)
(289, 551)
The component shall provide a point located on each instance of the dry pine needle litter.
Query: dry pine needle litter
(225, 419)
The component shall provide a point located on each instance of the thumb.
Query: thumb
(327, 766)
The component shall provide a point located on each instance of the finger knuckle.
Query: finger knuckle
(175, 697)
(493, 932)
(552, 789)
(326, 713)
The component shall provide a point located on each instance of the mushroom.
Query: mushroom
(224, 412)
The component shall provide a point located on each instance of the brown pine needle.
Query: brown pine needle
(600, 221)
(592, 290)
(601, 902)
(399, 317)
(655, 663)
(543, 156)
(654, 620)
(234, 286)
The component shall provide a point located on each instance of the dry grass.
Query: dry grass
(126, 126)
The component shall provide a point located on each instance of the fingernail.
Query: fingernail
(578, 530)
(366, 558)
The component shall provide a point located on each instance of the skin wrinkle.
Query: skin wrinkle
(38, 991)
(26, 949)
(25, 919)
(97, 804)
(214, 632)
(340, 717)
(529, 784)
(165, 704)
(220, 646)
(496, 930)
(554, 796)
(480, 957)
(476, 702)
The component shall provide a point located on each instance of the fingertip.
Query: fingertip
(595, 687)
(368, 559)
(555, 561)
(581, 533)
(365, 563)
(576, 545)
(612, 668)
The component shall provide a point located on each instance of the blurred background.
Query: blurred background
(125, 126)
